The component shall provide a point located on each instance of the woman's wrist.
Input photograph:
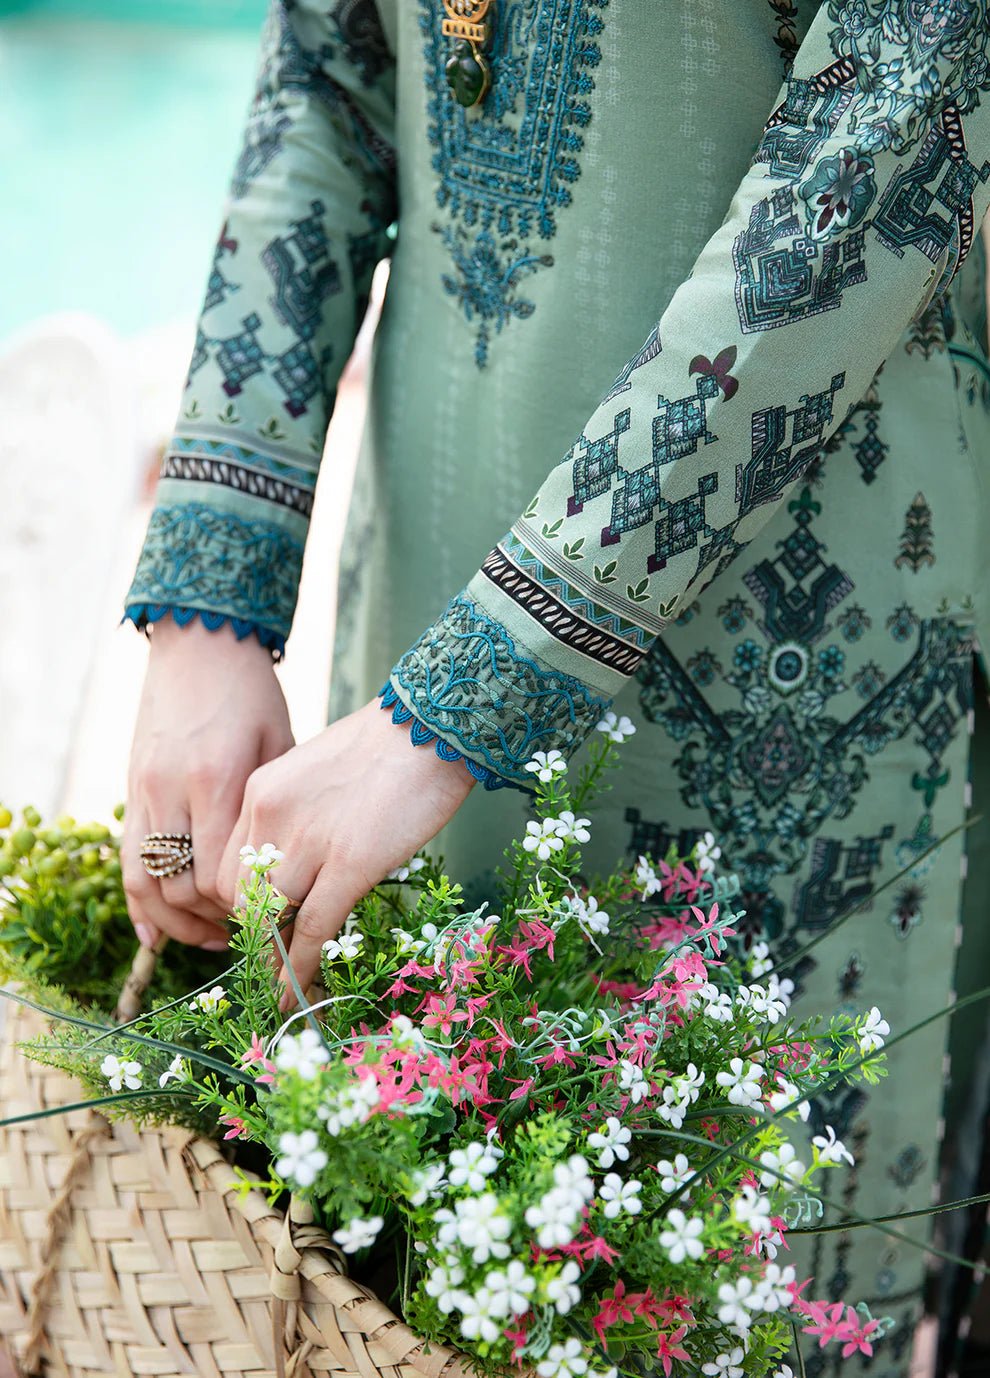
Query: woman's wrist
(172, 641)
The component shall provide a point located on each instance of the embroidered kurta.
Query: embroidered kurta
(681, 380)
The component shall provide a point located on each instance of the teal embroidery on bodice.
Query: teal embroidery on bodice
(506, 168)
(773, 769)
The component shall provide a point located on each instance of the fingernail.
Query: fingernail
(220, 945)
(147, 936)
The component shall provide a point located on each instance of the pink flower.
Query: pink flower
(256, 1055)
(612, 1310)
(443, 1014)
(858, 1339)
(518, 1339)
(558, 1055)
(668, 1349)
(238, 1129)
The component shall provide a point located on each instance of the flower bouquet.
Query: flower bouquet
(564, 1131)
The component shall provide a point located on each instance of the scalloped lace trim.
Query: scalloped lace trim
(421, 735)
(143, 613)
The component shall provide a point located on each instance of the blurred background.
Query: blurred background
(119, 125)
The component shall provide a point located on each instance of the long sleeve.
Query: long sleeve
(868, 183)
(311, 201)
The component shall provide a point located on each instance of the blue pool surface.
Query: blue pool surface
(116, 143)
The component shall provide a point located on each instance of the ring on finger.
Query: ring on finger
(166, 854)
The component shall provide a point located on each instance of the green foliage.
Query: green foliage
(63, 915)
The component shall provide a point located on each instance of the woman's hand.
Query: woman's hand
(211, 712)
(345, 808)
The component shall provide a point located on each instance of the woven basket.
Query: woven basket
(127, 1252)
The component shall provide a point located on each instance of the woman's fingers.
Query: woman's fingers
(150, 912)
(321, 915)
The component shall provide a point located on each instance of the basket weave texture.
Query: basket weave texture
(148, 1262)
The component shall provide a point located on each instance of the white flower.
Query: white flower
(782, 1168)
(769, 1244)
(302, 1159)
(780, 991)
(787, 1095)
(573, 829)
(674, 1175)
(752, 1209)
(742, 1082)
(442, 1282)
(831, 1149)
(736, 1299)
(426, 1183)
(688, 1085)
(621, 1196)
(303, 1054)
(573, 1176)
(785, 1371)
(510, 1290)
(359, 1234)
(405, 942)
(481, 1228)
(555, 1218)
(773, 1290)
(546, 764)
(717, 1003)
(347, 946)
(672, 1108)
(681, 1237)
(409, 869)
(586, 914)
(616, 729)
(631, 1079)
(477, 1316)
(563, 1290)
(120, 1074)
(762, 1001)
(726, 1365)
(353, 1104)
(406, 1034)
(707, 853)
(647, 878)
(563, 1361)
(610, 1141)
(267, 856)
(213, 1001)
(542, 838)
(759, 963)
(471, 1166)
(176, 1071)
(872, 1032)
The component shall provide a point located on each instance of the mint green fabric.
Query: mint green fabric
(707, 281)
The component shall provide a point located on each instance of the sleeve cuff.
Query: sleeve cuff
(470, 683)
(241, 566)
(145, 614)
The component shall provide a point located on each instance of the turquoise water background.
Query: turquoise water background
(117, 138)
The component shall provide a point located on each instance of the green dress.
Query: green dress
(706, 279)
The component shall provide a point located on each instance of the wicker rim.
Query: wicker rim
(301, 1251)
(304, 1250)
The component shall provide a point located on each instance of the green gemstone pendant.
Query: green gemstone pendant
(469, 23)
(468, 75)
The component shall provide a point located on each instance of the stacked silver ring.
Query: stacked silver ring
(166, 854)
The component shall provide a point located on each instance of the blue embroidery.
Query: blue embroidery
(197, 557)
(142, 614)
(421, 735)
(505, 170)
(466, 680)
